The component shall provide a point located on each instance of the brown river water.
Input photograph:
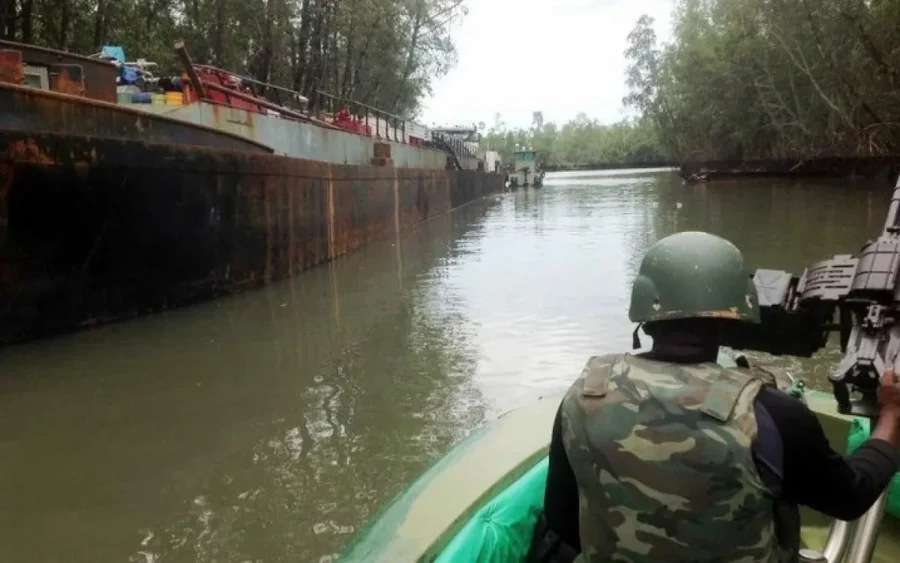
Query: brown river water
(268, 426)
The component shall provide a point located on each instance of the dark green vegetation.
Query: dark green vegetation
(381, 52)
(739, 80)
(756, 79)
(580, 143)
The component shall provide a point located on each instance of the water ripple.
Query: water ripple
(270, 425)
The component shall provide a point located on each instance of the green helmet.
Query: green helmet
(693, 275)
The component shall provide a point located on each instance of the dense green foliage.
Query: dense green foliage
(749, 79)
(580, 142)
(740, 79)
(381, 52)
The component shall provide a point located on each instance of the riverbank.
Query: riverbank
(874, 168)
(607, 166)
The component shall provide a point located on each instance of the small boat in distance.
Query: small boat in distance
(526, 170)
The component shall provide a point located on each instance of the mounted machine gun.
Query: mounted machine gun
(797, 315)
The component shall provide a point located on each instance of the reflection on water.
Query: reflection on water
(268, 426)
(262, 427)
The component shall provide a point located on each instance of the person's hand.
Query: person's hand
(888, 426)
(889, 396)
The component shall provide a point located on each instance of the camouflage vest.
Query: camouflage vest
(661, 453)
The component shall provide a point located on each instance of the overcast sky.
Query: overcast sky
(560, 57)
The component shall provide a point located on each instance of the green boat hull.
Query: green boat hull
(480, 502)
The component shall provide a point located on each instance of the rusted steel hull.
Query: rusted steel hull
(97, 230)
(28, 109)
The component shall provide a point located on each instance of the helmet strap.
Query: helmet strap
(636, 340)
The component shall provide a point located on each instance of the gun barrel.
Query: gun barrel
(798, 313)
(892, 214)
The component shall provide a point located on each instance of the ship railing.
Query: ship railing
(458, 146)
(291, 104)
(383, 124)
(460, 149)
(277, 95)
(251, 103)
(201, 88)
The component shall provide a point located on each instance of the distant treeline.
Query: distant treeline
(580, 143)
(760, 80)
(607, 166)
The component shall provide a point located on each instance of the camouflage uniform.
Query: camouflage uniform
(662, 452)
(662, 457)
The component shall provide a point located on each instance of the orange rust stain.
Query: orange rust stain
(396, 196)
(292, 243)
(55, 111)
(216, 117)
(81, 167)
(330, 217)
(66, 83)
(29, 151)
(11, 69)
(250, 123)
(266, 194)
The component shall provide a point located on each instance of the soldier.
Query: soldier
(668, 457)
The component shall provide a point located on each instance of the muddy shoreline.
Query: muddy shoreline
(874, 168)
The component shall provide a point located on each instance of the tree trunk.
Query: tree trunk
(359, 65)
(348, 59)
(149, 14)
(219, 33)
(413, 42)
(316, 63)
(100, 23)
(27, 21)
(331, 50)
(8, 14)
(64, 22)
(302, 47)
(261, 69)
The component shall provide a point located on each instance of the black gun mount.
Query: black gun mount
(798, 314)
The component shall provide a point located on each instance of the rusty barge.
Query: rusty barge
(111, 209)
